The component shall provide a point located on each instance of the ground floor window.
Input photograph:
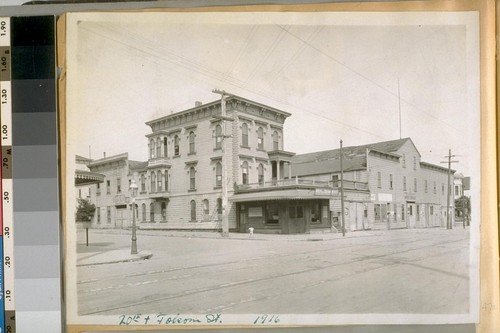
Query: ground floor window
(143, 212)
(152, 212)
(403, 214)
(108, 215)
(272, 213)
(163, 211)
(98, 215)
(431, 208)
(192, 205)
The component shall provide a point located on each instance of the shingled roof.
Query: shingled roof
(329, 160)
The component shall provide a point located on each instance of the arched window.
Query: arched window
(193, 210)
(152, 212)
(165, 147)
(143, 211)
(163, 211)
(244, 134)
(244, 172)
(276, 145)
(143, 183)
(158, 147)
(159, 182)
(176, 145)
(191, 143)
(152, 148)
(218, 136)
(153, 182)
(192, 178)
(260, 138)
(206, 208)
(166, 180)
(261, 174)
(218, 174)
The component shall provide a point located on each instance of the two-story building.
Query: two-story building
(386, 185)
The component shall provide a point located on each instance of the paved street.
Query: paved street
(397, 271)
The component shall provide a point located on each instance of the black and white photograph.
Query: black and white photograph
(272, 168)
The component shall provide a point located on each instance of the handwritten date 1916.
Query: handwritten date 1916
(267, 319)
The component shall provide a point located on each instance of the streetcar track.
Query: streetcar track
(400, 241)
(160, 298)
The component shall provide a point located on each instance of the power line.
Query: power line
(365, 77)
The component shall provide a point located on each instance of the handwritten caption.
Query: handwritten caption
(178, 319)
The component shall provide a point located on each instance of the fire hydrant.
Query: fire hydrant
(251, 231)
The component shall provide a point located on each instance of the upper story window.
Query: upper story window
(143, 183)
(415, 185)
(218, 174)
(108, 186)
(244, 172)
(158, 147)
(276, 140)
(159, 181)
(434, 188)
(403, 160)
(176, 145)
(192, 178)
(404, 183)
(152, 148)
(414, 163)
(244, 135)
(118, 185)
(165, 147)
(98, 190)
(425, 186)
(153, 181)
(260, 169)
(391, 183)
(191, 142)
(260, 138)
(218, 136)
(166, 179)
(379, 179)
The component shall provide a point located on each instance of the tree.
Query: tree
(462, 205)
(85, 210)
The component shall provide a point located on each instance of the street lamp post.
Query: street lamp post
(133, 193)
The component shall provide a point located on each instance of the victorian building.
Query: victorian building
(228, 157)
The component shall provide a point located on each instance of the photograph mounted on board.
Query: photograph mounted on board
(272, 168)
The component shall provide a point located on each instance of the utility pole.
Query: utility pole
(449, 224)
(223, 118)
(342, 190)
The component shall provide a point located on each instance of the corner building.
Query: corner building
(180, 186)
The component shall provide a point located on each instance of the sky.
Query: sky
(341, 77)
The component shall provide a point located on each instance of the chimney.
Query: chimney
(104, 153)
(198, 103)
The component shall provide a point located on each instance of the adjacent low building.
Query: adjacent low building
(194, 154)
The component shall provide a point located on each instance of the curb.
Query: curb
(140, 256)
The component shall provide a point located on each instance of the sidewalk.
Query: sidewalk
(93, 255)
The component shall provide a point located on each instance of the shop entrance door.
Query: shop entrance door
(296, 220)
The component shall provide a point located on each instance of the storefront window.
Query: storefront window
(315, 213)
(272, 213)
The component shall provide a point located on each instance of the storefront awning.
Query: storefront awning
(87, 177)
(286, 194)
